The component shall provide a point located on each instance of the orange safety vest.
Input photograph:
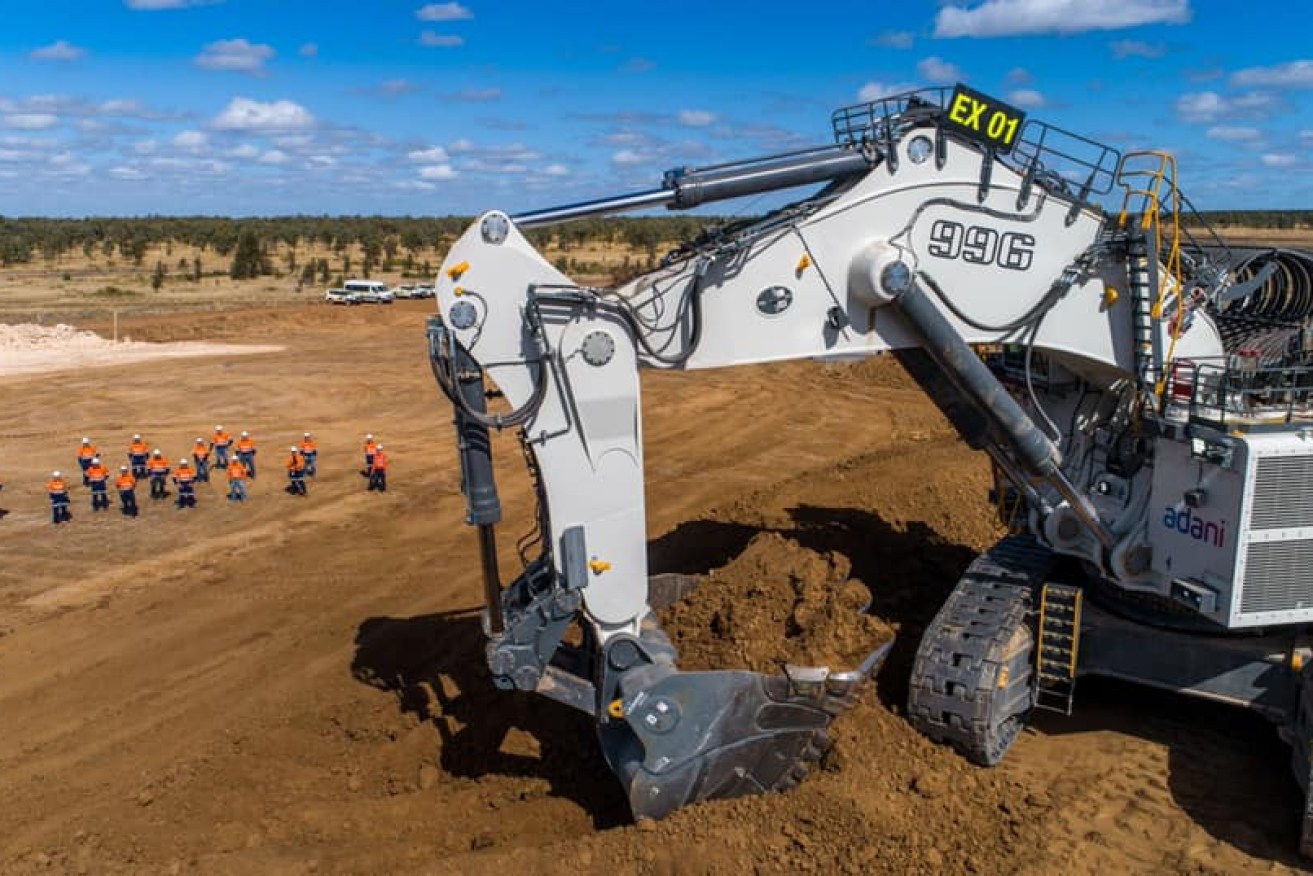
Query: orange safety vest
(380, 461)
(222, 439)
(245, 445)
(236, 470)
(57, 485)
(157, 464)
(309, 446)
(86, 451)
(371, 447)
(295, 462)
(138, 448)
(97, 474)
(185, 474)
(201, 450)
(126, 481)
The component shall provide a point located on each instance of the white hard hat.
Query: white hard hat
(246, 434)
(123, 468)
(307, 434)
(369, 437)
(95, 460)
(157, 451)
(218, 428)
(54, 474)
(183, 463)
(86, 440)
(200, 440)
(380, 447)
(136, 437)
(294, 448)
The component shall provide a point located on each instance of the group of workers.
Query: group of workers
(235, 458)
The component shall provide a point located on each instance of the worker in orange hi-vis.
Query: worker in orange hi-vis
(296, 472)
(127, 487)
(246, 453)
(185, 478)
(310, 453)
(158, 469)
(138, 451)
(57, 487)
(200, 455)
(371, 446)
(98, 478)
(86, 453)
(378, 470)
(220, 444)
(236, 480)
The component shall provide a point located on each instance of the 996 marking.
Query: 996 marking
(981, 245)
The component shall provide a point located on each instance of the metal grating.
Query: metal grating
(1283, 493)
(1278, 576)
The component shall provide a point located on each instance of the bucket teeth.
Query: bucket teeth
(691, 736)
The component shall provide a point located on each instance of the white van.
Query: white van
(369, 291)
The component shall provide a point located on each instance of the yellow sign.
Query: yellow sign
(984, 119)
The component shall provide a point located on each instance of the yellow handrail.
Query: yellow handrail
(1161, 174)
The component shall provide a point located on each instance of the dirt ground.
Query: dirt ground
(296, 685)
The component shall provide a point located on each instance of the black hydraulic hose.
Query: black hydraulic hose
(440, 361)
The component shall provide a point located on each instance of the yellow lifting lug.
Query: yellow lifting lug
(1110, 296)
(599, 566)
(458, 291)
(456, 270)
(1004, 675)
(803, 264)
(1296, 660)
(616, 709)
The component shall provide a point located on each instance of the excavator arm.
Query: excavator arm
(925, 239)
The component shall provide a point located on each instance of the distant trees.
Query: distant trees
(250, 260)
(157, 277)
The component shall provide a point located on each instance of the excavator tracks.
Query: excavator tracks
(972, 680)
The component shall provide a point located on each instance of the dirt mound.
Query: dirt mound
(776, 603)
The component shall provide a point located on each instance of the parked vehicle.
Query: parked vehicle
(340, 296)
(369, 291)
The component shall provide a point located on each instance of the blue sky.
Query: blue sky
(259, 107)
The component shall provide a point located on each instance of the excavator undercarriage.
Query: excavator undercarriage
(1144, 391)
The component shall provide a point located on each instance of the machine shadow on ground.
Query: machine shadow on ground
(1228, 769)
(434, 665)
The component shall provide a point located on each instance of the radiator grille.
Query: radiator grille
(1278, 576)
(1283, 493)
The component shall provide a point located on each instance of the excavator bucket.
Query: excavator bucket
(683, 737)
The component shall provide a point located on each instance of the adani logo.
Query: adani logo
(1187, 524)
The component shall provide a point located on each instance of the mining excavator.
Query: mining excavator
(1142, 389)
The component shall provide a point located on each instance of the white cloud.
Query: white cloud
(629, 157)
(415, 185)
(996, 18)
(1019, 76)
(1027, 98)
(274, 156)
(556, 170)
(244, 114)
(440, 40)
(31, 121)
(938, 71)
(192, 141)
(1295, 74)
(895, 39)
(438, 172)
(1205, 107)
(1137, 49)
(431, 155)
(235, 55)
(309, 50)
(124, 172)
(696, 118)
(1280, 160)
(246, 151)
(876, 90)
(144, 147)
(1232, 134)
(443, 12)
(152, 5)
(61, 50)
(461, 146)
